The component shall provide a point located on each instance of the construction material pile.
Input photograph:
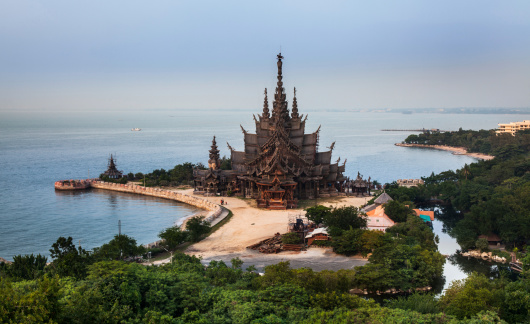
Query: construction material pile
(274, 245)
(270, 245)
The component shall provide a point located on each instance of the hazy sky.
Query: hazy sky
(141, 55)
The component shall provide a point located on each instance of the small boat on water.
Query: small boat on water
(72, 184)
(136, 129)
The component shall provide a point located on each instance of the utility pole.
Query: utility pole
(119, 227)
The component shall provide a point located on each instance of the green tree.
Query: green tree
(120, 247)
(27, 267)
(173, 236)
(465, 298)
(291, 238)
(226, 163)
(32, 302)
(343, 218)
(196, 227)
(69, 260)
(349, 242)
(482, 244)
(397, 211)
(318, 213)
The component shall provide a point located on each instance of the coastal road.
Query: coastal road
(317, 259)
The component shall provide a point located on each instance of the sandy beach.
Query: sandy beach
(250, 225)
(454, 149)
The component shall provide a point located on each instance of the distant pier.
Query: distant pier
(424, 130)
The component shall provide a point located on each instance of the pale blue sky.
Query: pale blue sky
(141, 55)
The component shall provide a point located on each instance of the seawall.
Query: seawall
(214, 209)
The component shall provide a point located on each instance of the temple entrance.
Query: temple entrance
(277, 196)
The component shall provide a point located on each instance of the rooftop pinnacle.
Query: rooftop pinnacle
(280, 113)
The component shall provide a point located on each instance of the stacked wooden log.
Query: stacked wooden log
(274, 245)
(270, 245)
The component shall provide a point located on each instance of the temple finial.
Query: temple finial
(265, 105)
(294, 110)
(280, 113)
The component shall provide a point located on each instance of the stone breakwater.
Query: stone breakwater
(214, 210)
(484, 255)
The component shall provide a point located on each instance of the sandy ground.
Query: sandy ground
(250, 225)
(454, 149)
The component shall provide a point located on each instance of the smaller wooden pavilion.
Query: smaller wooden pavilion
(112, 171)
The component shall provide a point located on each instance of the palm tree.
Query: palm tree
(466, 171)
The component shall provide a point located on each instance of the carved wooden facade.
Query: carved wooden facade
(280, 163)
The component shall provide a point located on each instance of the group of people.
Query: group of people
(223, 202)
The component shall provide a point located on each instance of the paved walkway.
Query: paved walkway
(317, 259)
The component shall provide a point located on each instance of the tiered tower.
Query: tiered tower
(280, 163)
(213, 162)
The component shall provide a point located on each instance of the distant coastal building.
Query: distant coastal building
(513, 127)
(410, 182)
(377, 220)
(379, 201)
(280, 163)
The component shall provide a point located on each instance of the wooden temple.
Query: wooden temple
(280, 163)
(112, 171)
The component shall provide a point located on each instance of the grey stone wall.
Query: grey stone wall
(214, 209)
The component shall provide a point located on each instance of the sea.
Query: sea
(38, 148)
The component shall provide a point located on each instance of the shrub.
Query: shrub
(482, 244)
(291, 238)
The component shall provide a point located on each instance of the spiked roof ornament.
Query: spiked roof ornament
(265, 105)
(280, 113)
(294, 109)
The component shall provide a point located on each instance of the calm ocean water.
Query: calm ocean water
(38, 149)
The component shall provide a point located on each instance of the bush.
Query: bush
(156, 251)
(482, 244)
(291, 238)
(321, 243)
(317, 214)
(196, 227)
(421, 303)
(173, 236)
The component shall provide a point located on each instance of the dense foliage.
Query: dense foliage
(185, 291)
(404, 257)
(181, 174)
(338, 219)
(483, 141)
(196, 227)
(491, 196)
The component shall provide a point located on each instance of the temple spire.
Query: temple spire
(213, 162)
(265, 105)
(112, 171)
(294, 109)
(280, 113)
(112, 165)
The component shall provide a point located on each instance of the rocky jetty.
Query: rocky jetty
(484, 255)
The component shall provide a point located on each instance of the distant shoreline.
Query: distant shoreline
(454, 149)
